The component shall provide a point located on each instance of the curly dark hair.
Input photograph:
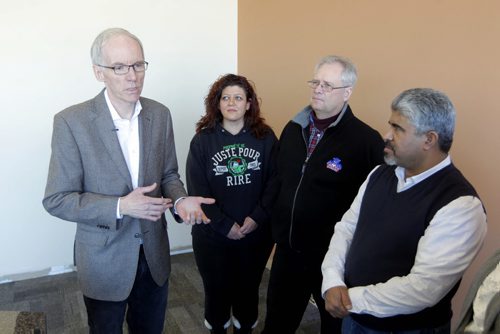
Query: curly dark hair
(213, 115)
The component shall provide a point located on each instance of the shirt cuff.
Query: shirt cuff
(175, 204)
(118, 215)
(357, 300)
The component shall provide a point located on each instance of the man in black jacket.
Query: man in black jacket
(325, 154)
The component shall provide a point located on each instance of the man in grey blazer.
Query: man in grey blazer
(113, 171)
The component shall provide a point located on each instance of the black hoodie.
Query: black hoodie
(238, 171)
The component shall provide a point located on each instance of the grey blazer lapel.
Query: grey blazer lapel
(105, 128)
(145, 133)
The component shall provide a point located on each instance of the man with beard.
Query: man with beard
(398, 254)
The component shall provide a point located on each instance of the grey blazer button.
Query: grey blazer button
(137, 235)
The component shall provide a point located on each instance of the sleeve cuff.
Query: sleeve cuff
(175, 204)
(118, 215)
(356, 296)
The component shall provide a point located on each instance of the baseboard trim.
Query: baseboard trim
(62, 269)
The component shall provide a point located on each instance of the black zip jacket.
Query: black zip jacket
(314, 194)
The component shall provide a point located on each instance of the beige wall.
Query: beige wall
(450, 45)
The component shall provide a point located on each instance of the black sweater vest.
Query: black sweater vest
(389, 228)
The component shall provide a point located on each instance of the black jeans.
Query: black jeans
(294, 278)
(146, 303)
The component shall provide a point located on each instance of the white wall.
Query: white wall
(46, 67)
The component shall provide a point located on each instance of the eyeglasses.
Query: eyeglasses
(325, 86)
(123, 69)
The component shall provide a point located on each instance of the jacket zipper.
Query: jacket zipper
(304, 165)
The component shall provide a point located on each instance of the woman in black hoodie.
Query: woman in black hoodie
(231, 159)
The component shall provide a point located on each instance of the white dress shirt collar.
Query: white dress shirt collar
(404, 184)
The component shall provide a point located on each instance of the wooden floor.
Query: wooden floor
(60, 299)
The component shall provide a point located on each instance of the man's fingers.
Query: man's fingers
(206, 200)
(190, 219)
(198, 218)
(137, 204)
(204, 219)
(147, 189)
(346, 301)
(337, 302)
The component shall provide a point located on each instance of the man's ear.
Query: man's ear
(347, 93)
(431, 139)
(98, 73)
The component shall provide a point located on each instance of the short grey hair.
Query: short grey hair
(428, 110)
(349, 75)
(103, 37)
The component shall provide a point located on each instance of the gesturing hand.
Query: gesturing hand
(136, 204)
(189, 209)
